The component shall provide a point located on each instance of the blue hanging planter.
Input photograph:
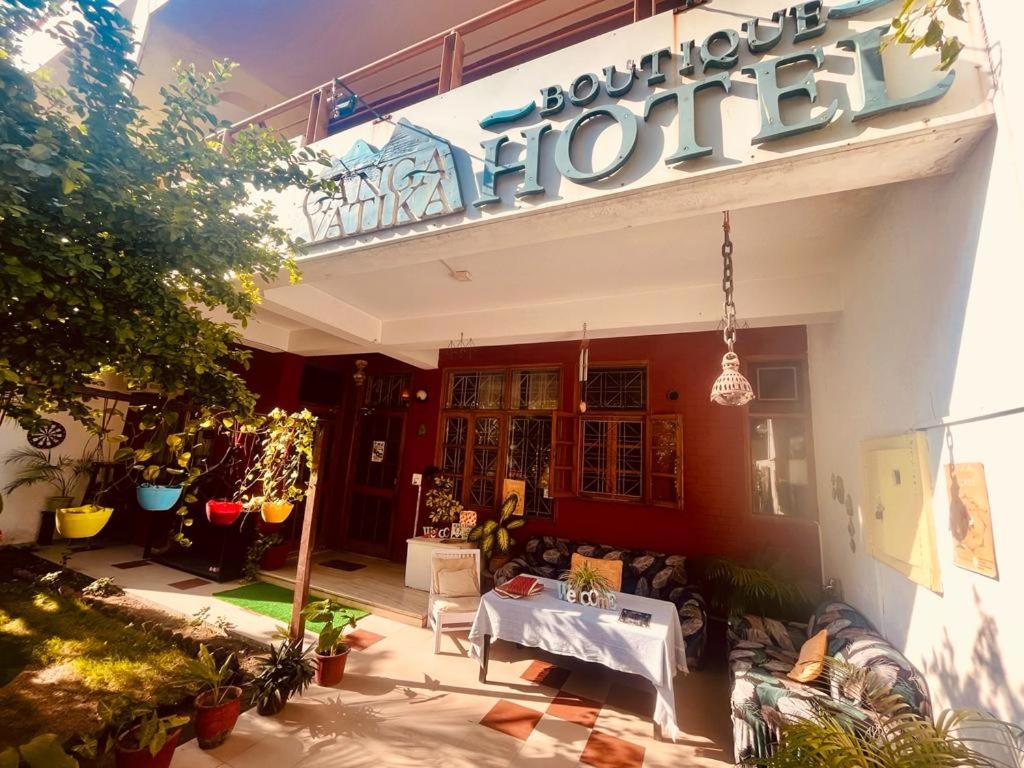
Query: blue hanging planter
(157, 498)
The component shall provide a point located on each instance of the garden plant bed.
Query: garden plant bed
(61, 652)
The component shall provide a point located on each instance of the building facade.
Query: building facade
(543, 179)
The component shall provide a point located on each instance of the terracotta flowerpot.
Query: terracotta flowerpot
(276, 511)
(498, 561)
(223, 512)
(214, 722)
(141, 758)
(330, 669)
(275, 557)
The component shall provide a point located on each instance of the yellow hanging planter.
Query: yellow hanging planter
(82, 522)
(275, 511)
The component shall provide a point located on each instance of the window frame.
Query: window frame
(800, 410)
(647, 417)
(505, 414)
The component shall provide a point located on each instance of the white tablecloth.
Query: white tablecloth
(656, 652)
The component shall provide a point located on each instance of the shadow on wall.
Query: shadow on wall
(983, 684)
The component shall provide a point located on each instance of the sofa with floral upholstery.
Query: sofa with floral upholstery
(762, 651)
(650, 574)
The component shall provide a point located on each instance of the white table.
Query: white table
(417, 561)
(656, 652)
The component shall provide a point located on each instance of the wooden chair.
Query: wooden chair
(453, 612)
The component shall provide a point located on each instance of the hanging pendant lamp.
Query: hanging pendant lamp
(731, 387)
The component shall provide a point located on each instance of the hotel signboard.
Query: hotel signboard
(410, 179)
(414, 178)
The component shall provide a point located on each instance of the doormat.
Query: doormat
(274, 601)
(342, 565)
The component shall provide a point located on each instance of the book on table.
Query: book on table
(520, 586)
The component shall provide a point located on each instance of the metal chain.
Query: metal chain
(728, 307)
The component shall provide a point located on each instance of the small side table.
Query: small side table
(417, 560)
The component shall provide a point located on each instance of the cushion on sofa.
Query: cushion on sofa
(762, 651)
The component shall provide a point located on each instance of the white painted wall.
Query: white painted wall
(931, 329)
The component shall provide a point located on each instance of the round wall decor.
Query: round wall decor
(49, 434)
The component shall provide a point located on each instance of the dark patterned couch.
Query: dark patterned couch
(762, 651)
(650, 574)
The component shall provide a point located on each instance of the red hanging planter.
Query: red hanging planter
(223, 512)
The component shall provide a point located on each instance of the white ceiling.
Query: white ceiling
(659, 278)
(770, 241)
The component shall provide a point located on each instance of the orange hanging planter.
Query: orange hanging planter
(276, 511)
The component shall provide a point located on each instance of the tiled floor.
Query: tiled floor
(401, 705)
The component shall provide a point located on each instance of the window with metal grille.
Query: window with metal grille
(488, 437)
(536, 389)
(616, 389)
(476, 390)
(612, 457)
(529, 459)
(385, 390)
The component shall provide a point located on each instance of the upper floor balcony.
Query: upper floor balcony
(487, 43)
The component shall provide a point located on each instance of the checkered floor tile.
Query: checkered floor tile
(565, 734)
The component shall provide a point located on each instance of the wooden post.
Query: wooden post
(644, 9)
(305, 561)
(316, 121)
(452, 51)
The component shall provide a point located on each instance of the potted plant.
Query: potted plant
(139, 735)
(284, 457)
(285, 671)
(331, 649)
(63, 476)
(444, 507)
(259, 555)
(217, 703)
(586, 578)
(495, 536)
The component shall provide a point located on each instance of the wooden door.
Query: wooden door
(373, 496)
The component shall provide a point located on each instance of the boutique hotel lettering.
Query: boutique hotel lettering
(776, 64)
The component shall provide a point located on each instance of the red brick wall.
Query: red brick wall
(716, 517)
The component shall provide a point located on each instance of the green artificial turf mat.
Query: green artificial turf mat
(273, 601)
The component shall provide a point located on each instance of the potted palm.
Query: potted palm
(331, 649)
(495, 536)
(62, 475)
(36, 466)
(284, 458)
(217, 703)
(285, 671)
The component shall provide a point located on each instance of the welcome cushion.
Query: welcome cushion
(610, 569)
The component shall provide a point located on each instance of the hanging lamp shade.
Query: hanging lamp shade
(731, 387)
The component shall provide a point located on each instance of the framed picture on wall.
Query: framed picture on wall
(518, 487)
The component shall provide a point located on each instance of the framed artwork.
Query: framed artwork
(970, 519)
(518, 487)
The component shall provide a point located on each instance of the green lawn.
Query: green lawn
(273, 601)
(75, 655)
